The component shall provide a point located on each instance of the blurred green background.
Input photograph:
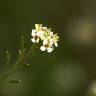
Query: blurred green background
(71, 68)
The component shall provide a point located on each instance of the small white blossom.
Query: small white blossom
(47, 46)
(49, 40)
(36, 34)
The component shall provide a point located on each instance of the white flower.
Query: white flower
(47, 46)
(35, 38)
(49, 49)
(49, 40)
(53, 39)
(36, 33)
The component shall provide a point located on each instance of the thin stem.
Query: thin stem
(8, 72)
(19, 63)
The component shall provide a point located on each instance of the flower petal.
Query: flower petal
(50, 49)
(42, 48)
(33, 32)
(45, 42)
(33, 40)
(56, 44)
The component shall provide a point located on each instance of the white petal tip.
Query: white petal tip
(42, 48)
(33, 40)
(49, 50)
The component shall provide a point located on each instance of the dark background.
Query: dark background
(71, 68)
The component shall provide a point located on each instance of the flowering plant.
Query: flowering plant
(42, 36)
(49, 40)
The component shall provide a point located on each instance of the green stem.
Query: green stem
(8, 72)
(19, 63)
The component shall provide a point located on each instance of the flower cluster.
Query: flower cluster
(49, 40)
